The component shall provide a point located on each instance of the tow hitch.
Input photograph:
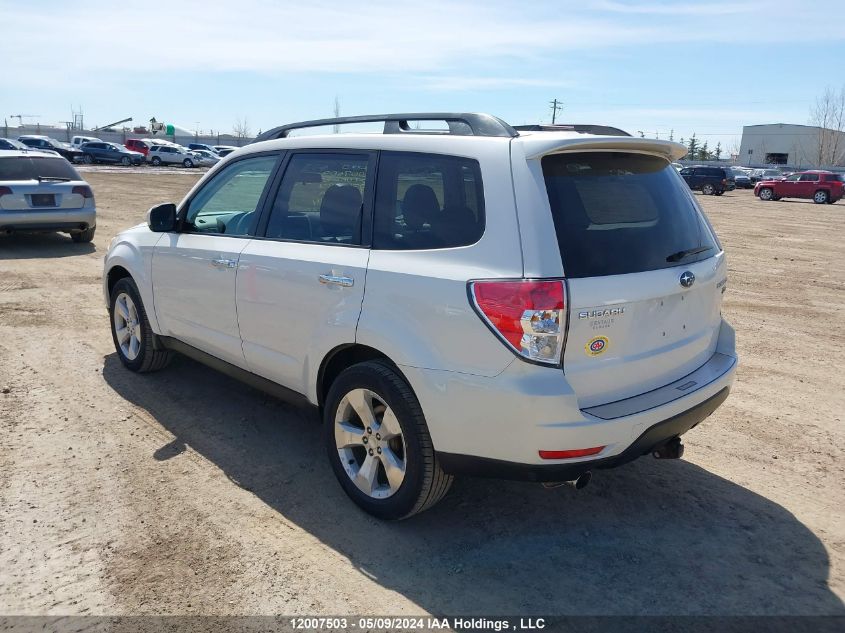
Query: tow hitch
(673, 449)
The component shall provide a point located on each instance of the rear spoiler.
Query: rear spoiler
(540, 146)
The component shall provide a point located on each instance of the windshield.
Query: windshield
(33, 168)
(617, 213)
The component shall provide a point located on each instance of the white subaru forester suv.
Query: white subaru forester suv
(526, 303)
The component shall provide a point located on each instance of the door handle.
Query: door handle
(224, 263)
(346, 282)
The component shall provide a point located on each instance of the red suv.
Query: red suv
(137, 145)
(822, 187)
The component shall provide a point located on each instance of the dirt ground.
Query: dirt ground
(186, 492)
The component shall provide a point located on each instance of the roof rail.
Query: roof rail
(602, 130)
(460, 123)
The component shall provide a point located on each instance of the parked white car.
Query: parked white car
(78, 141)
(171, 155)
(206, 158)
(510, 303)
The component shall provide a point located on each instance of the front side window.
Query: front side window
(228, 203)
(793, 178)
(427, 201)
(320, 199)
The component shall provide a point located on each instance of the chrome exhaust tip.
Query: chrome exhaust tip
(579, 483)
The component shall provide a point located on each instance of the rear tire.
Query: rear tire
(88, 159)
(188, 163)
(156, 161)
(821, 197)
(368, 452)
(767, 194)
(707, 189)
(139, 349)
(83, 236)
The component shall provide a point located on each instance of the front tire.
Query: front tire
(766, 194)
(137, 345)
(707, 189)
(821, 197)
(378, 443)
(126, 161)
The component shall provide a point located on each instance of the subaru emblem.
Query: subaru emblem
(687, 279)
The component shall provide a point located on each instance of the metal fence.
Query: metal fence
(120, 136)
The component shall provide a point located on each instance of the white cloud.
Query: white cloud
(377, 36)
(673, 7)
(438, 83)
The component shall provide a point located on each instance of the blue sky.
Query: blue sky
(708, 67)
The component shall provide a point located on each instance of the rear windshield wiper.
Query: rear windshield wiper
(676, 257)
(52, 179)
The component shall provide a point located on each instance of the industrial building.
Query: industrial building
(794, 146)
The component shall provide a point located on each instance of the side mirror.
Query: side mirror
(162, 217)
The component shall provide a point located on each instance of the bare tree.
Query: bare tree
(828, 114)
(733, 150)
(241, 129)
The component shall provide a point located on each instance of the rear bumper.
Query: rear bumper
(496, 426)
(51, 220)
(653, 438)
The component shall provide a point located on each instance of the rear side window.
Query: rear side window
(616, 213)
(30, 168)
(427, 201)
(833, 178)
(809, 178)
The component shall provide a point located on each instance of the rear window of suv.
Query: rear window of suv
(32, 168)
(617, 213)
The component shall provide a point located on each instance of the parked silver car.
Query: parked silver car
(39, 192)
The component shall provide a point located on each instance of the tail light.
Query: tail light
(5, 191)
(528, 316)
(724, 181)
(83, 190)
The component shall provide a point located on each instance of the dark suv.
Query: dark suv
(709, 180)
(102, 152)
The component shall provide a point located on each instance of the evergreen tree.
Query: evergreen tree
(672, 135)
(692, 147)
(704, 153)
(718, 152)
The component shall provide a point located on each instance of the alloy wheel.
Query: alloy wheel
(127, 326)
(370, 443)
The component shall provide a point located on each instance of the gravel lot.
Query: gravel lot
(186, 492)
